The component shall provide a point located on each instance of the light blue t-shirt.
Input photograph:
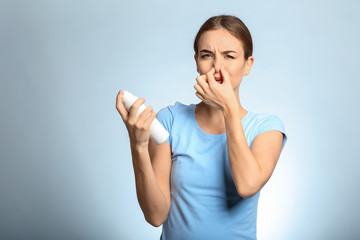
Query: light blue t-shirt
(204, 200)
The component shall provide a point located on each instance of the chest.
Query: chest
(200, 165)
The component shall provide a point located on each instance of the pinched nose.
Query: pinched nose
(217, 67)
(217, 64)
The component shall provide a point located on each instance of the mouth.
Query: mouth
(219, 79)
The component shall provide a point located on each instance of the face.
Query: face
(220, 48)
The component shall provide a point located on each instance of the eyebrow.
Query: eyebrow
(208, 51)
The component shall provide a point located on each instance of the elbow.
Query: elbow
(247, 194)
(154, 224)
(155, 221)
(157, 218)
(247, 191)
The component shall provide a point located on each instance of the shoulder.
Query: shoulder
(172, 110)
(167, 115)
(263, 122)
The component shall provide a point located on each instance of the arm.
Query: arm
(250, 168)
(152, 177)
(151, 163)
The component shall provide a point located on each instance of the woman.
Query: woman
(204, 181)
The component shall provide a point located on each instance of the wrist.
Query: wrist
(231, 108)
(139, 146)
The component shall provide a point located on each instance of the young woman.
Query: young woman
(205, 180)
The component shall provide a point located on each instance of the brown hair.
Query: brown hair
(231, 23)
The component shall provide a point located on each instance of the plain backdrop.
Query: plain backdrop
(66, 169)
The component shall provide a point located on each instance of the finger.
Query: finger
(135, 107)
(210, 76)
(199, 96)
(144, 115)
(149, 120)
(201, 81)
(199, 89)
(120, 106)
(224, 74)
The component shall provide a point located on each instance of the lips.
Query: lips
(219, 79)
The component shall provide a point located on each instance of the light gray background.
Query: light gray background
(66, 170)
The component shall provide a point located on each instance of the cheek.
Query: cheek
(234, 70)
(204, 67)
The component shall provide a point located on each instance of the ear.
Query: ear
(249, 63)
(197, 68)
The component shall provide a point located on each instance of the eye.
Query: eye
(205, 56)
(229, 56)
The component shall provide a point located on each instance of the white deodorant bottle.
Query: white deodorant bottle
(157, 132)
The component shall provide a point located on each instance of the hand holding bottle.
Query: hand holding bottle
(139, 119)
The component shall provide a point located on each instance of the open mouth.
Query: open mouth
(219, 79)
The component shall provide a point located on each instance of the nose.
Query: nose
(217, 65)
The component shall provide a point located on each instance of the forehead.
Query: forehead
(220, 38)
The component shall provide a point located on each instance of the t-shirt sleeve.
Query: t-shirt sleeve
(165, 117)
(272, 122)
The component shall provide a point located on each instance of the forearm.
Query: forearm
(245, 170)
(150, 198)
